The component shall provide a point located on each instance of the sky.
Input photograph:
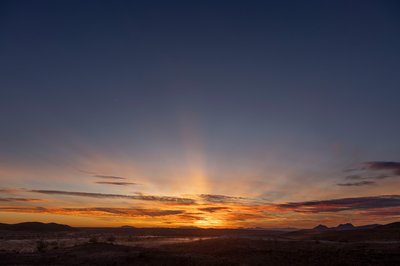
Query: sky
(220, 114)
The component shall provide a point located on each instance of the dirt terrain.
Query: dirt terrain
(162, 246)
(221, 251)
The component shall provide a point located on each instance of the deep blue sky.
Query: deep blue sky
(260, 85)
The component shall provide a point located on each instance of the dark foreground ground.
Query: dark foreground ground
(218, 251)
(53, 244)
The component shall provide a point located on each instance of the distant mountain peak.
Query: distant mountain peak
(321, 227)
(346, 226)
(189, 227)
(127, 227)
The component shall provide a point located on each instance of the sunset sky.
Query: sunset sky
(200, 113)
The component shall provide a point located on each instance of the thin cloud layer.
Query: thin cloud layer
(115, 183)
(110, 177)
(213, 209)
(357, 184)
(128, 211)
(344, 204)
(391, 212)
(96, 211)
(20, 199)
(394, 167)
(371, 172)
(176, 200)
(220, 198)
(359, 177)
(11, 190)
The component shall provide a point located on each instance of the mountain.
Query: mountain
(282, 229)
(35, 226)
(127, 227)
(188, 227)
(395, 225)
(368, 226)
(347, 226)
(321, 227)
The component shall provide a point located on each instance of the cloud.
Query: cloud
(220, 198)
(359, 177)
(344, 204)
(237, 216)
(213, 209)
(161, 212)
(11, 190)
(20, 199)
(384, 212)
(367, 171)
(357, 184)
(24, 209)
(96, 211)
(377, 177)
(102, 176)
(189, 217)
(178, 200)
(115, 183)
(354, 177)
(175, 200)
(109, 177)
(394, 167)
(128, 211)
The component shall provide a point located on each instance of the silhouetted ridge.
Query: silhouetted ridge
(395, 225)
(321, 227)
(35, 226)
(368, 226)
(188, 227)
(127, 227)
(347, 226)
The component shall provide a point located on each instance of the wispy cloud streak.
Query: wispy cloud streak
(110, 177)
(177, 200)
(19, 200)
(357, 184)
(344, 204)
(115, 183)
(220, 198)
(384, 165)
(213, 209)
(96, 211)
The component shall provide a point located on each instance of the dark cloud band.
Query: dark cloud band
(220, 198)
(344, 204)
(96, 211)
(357, 184)
(115, 183)
(110, 177)
(167, 199)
